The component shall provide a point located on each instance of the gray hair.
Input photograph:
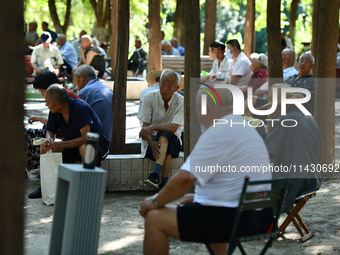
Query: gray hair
(86, 70)
(260, 58)
(165, 42)
(169, 72)
(290, 54)
(86, 37)
(311, 58)
(58, 93)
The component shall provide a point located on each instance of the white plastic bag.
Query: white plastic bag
(49, 164)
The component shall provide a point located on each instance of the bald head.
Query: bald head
(61, 39)
(288, 58)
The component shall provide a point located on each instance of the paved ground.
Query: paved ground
(122, 228)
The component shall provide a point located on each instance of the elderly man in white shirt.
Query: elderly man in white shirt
(288, 61)
(162, 116)
(239, 71)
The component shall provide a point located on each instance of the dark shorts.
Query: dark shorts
(72, 155)
(174, 145)
(210, 224)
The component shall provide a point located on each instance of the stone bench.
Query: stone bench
(127, 172)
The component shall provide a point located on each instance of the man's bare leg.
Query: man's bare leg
(219, 248)
(164, 142)
(154, 178)
(159, 225)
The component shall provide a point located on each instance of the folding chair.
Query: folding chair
(273, 198)
(293, 216)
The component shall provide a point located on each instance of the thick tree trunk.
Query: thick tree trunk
(60, 29)
(209, 24)
(326, 68)
(192, 68)
(274, 40)
(249, 32)
(101, 13)
(179, 28)
(11, 129)
(155, 49)
(292, 19)
(315, 32)
(119, 91)
(114, 38)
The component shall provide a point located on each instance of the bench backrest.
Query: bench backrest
(176, 63)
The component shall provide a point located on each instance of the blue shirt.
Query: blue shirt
(69, 54)
(80, 115)
(99, 97)
(181, 50)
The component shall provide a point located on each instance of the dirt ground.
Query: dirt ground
(122, 227)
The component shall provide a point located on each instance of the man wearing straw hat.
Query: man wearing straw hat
(152, 78)
(294, 142)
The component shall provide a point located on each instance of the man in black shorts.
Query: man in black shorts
(162, 116)
(208, 215)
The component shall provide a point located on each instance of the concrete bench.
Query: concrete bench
(176, 63)
(127, 172)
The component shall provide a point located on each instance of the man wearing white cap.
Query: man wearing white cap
(46, 55)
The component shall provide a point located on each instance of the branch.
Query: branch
(94, 6)
(67, 16)
(54, 15)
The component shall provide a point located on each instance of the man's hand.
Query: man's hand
(155, 147)
(33, 119)
(145, 206)
(188, 198)
(54, 146)
(212, 77)
(145, 132)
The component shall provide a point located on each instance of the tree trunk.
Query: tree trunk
(315, 32)
(249, 32)
(179, 28)
(274, 40)
(292, 19)
(209, 24)
(119, 91)
(11, 129)
(101, 13)
(155, 49)
(114, 38)
(192, 69)
(60, 29)
(326, 68)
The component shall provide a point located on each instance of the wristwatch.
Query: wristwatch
(154, 201)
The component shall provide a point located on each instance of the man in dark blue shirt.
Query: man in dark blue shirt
(75, 118)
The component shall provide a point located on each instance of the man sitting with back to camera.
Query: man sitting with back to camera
(208, 215)
(162, 116)
(96, 94)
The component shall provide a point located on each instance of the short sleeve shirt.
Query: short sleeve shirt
(80, 115)
(241, 66)
(220, 70)
(234, 147)
(153, 112)
(40, 54)
(306, 82)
